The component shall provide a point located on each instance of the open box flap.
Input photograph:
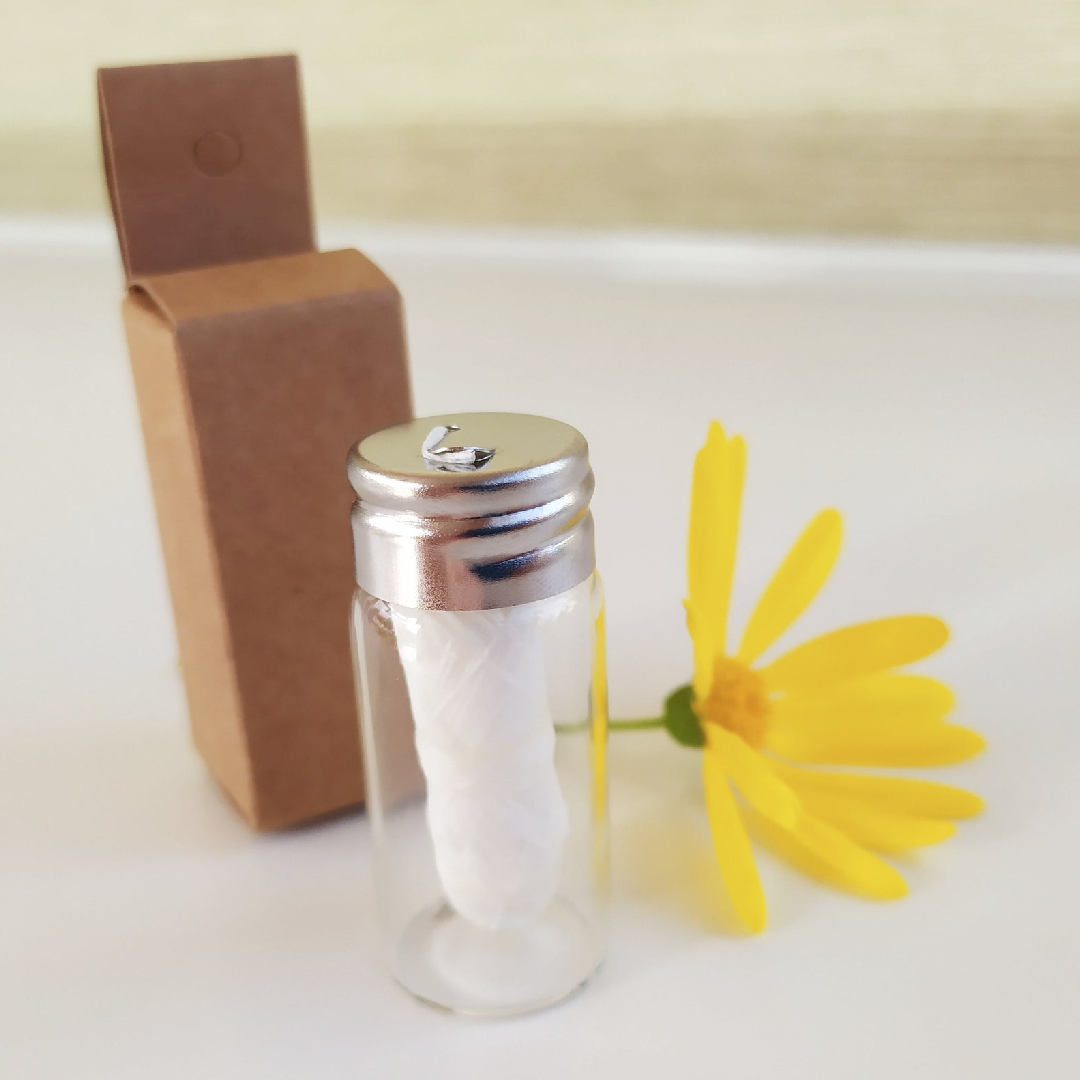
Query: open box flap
(206, 163)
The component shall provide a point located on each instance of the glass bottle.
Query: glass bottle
(479, 645)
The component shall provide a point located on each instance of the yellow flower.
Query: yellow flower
(835, 700)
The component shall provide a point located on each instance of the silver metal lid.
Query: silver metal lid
(473, 510)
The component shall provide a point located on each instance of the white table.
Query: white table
(934, 394)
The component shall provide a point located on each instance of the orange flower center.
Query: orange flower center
(737, 701)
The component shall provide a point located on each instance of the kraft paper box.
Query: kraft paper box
(258, 361)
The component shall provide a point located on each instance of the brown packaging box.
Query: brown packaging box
(258, 361)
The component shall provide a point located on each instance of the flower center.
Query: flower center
(737, 701)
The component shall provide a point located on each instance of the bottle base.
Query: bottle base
(446, 961)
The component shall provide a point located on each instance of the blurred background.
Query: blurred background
(955, 119)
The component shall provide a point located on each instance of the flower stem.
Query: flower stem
(636, 725)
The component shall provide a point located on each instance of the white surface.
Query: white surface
(933, 395)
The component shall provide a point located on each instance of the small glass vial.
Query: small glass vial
(479, 644)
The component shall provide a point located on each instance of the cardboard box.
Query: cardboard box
(258, 362)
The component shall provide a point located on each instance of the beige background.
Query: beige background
(951, 118)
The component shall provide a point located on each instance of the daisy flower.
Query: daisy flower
(835, 700)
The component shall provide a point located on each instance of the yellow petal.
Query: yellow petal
(885, 696)
(849, 864)
(704, 657)
(751, 774)
(893, 795)
(846, 862)
(794, 585)
(870, 742)
(855, 651)
(715, 502)
(892, 835)
(600, 723)
(873, 828)
(732, 846)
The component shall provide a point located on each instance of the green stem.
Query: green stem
(636, 725)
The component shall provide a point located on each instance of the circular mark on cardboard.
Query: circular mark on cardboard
(217, 153)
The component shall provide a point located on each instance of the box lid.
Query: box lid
(206, 163)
